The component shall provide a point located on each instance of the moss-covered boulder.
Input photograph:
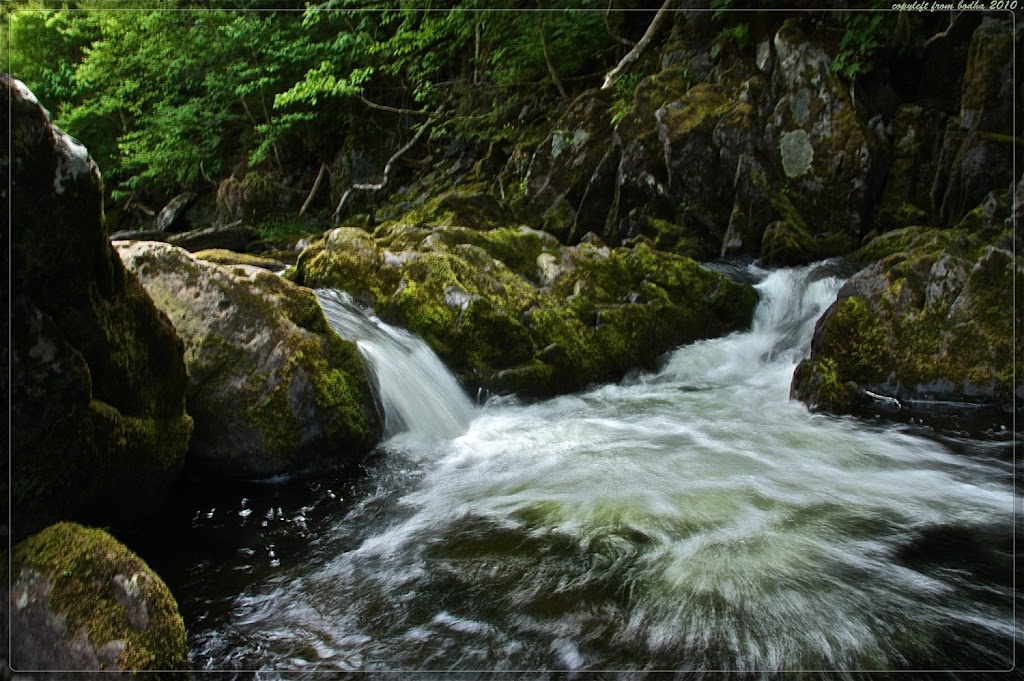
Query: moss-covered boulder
(513, 310)
(98, 423)
(271, 387)
(932, 320)
(80, 600)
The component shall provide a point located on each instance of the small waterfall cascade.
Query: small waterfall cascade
(418, 394)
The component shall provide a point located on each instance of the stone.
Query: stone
(98, 423)
(271, 387)
(930, 321)
(80, 600)
(513, 310)
(171, 217)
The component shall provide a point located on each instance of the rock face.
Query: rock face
(512, 310)
(80, 600)
(767, 152)
(932, 320)
(272, 389)
(98, 426)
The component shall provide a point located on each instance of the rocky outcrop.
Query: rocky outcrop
(512, 310)
(80, 600)
(271, 387)
(98, 425)
(932, 320)
(768, 152)
(704, 168)
(978, 149)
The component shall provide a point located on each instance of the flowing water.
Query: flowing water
(691, 519)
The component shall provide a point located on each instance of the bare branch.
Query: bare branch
(634, 54)
(608, 27)
(953, 18)
(388, 166)
(384, 107)
(316, 185)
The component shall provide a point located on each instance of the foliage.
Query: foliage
(860, 48)
(167, 100)
(622, 99)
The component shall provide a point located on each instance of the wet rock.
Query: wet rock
(930, 321)
(271, 387)
(512, 310)
(80, 600)
(98, 425)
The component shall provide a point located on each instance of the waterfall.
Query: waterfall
(695, 518)
(418, 394)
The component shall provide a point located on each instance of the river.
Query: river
(690, 519)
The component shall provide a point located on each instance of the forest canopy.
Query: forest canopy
(170, 93)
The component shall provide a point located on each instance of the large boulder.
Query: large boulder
(512, 310)
(932, 320)
(80, 600)
(98, 423)
(271, 387)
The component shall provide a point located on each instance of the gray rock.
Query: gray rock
(271, 387)
(98, 426)
(171, 215)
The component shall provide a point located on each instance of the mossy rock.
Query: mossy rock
(917, 143)
(98, 423)
(271, 387)
(930, 321)
(574, 316)
(222, 256)
(80, 600)
(561, 167)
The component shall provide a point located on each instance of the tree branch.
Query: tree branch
(312, 192)
(384, 107)
(635, 53)
(387, 167)
(608, 27)
(953, 18)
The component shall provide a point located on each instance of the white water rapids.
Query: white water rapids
(692, 519)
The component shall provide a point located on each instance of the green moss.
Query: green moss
(889, 243)
(856, 340)
(81, 564)
(220, 256)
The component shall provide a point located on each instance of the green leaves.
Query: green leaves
(322, 82)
